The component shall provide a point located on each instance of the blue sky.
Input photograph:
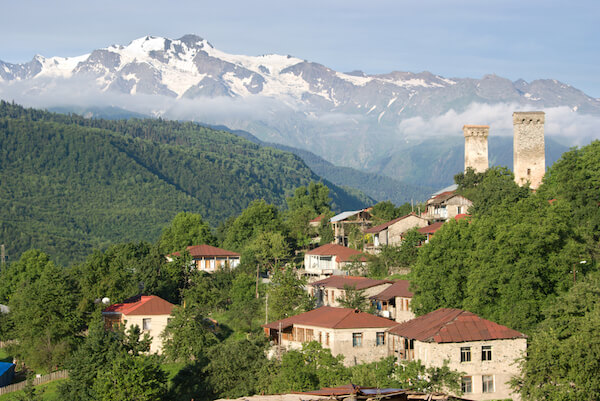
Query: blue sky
(513, 39)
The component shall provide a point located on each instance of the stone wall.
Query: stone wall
(476, 147)
(529, 149)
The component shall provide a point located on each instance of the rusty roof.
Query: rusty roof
(358, 283)
(443, 197)
(341, 253)
(317, 219)
(142, 305)
(198, 251)
(383, 226)
(448, 325)
(398, 289)
(430, 229)
(333, 318)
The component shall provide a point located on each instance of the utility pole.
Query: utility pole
(267, 308)
(583, 262)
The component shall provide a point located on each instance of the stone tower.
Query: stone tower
(529, 157)
(476, 147)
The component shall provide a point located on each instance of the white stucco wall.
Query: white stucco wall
(157, 326)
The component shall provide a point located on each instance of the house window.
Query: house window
(465, 354)
(466, 384)
(320, 340)
(357, 339)
(487, 383)
(310, 335)
(486, 353)
(146, 324)
(332, 296)
(380, 338)
(326, 338)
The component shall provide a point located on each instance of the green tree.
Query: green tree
(128, 377)
(415, 376)
(563, 354)
(315, 198)
(258, 217)
(185, 230)
(380, 374)
(287, 296)
(235, 367)
(325, 231)
(22, 272)
(188, 335)
(245, 307)
(355, 299)
(46, 320)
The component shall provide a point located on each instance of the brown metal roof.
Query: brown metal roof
(333, 318)
(358, 283)
(447, 325)
(341, 253)
(383, 226)
(398, 289)
(430, 229)
(443, 197)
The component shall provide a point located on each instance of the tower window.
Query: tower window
(528, 171)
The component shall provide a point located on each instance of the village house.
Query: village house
(149, 313)
(343, 223)
(392, 232)
(484, 351)
(209, 258)
(360, 337)
(429, 230)
(330, 259)
(329, 291)
(394, 302)
(445, 206)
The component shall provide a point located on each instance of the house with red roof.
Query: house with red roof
(329, 290)
(445, 206)
(392, 232)
(486, 352)
(330, 259)
(394, 301)
(210, 258)
(149, 313)
(358, 336)
(429, 230)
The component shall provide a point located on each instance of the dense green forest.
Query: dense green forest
(71, 184)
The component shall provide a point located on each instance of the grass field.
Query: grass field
(49, 392)
(4, 356)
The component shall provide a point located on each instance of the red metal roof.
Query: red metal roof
(333, 318)
(358, 283)
(142, 305)
(317, 219)
(383, 226)
(398, 289)
(342, 253)
(198, 251)
(430, 229)
(447, 325)
(461, 216)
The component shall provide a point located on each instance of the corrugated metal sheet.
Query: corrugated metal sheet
(333, 318)
(340, 282)
(142, 305)
(398, 289)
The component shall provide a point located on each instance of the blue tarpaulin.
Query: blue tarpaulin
(7, 373)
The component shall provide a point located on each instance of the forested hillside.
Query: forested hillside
(70, 184)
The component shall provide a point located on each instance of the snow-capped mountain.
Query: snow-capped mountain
(351, 119)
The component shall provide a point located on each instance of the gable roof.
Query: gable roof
(142, 305)
(333, 318)
(358, 283)
(432, 228)
(448, 325)
(398, 289)
(198, 251)
(342, 253)
(383, 226)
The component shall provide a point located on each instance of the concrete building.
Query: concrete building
(358, 336)
(392, 232)
(476, 147)
(394, 302)
(529, 148)
(330, 259)
(328, 291)
(485, 351)
(210, 258)
(149, 313)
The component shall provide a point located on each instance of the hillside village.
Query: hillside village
(442, 299)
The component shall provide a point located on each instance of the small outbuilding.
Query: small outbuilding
(7, 373)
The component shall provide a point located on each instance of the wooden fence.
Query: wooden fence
(4, 344)
(61, 374)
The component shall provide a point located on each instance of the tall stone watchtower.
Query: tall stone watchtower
(476, 147)
(529, 149)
